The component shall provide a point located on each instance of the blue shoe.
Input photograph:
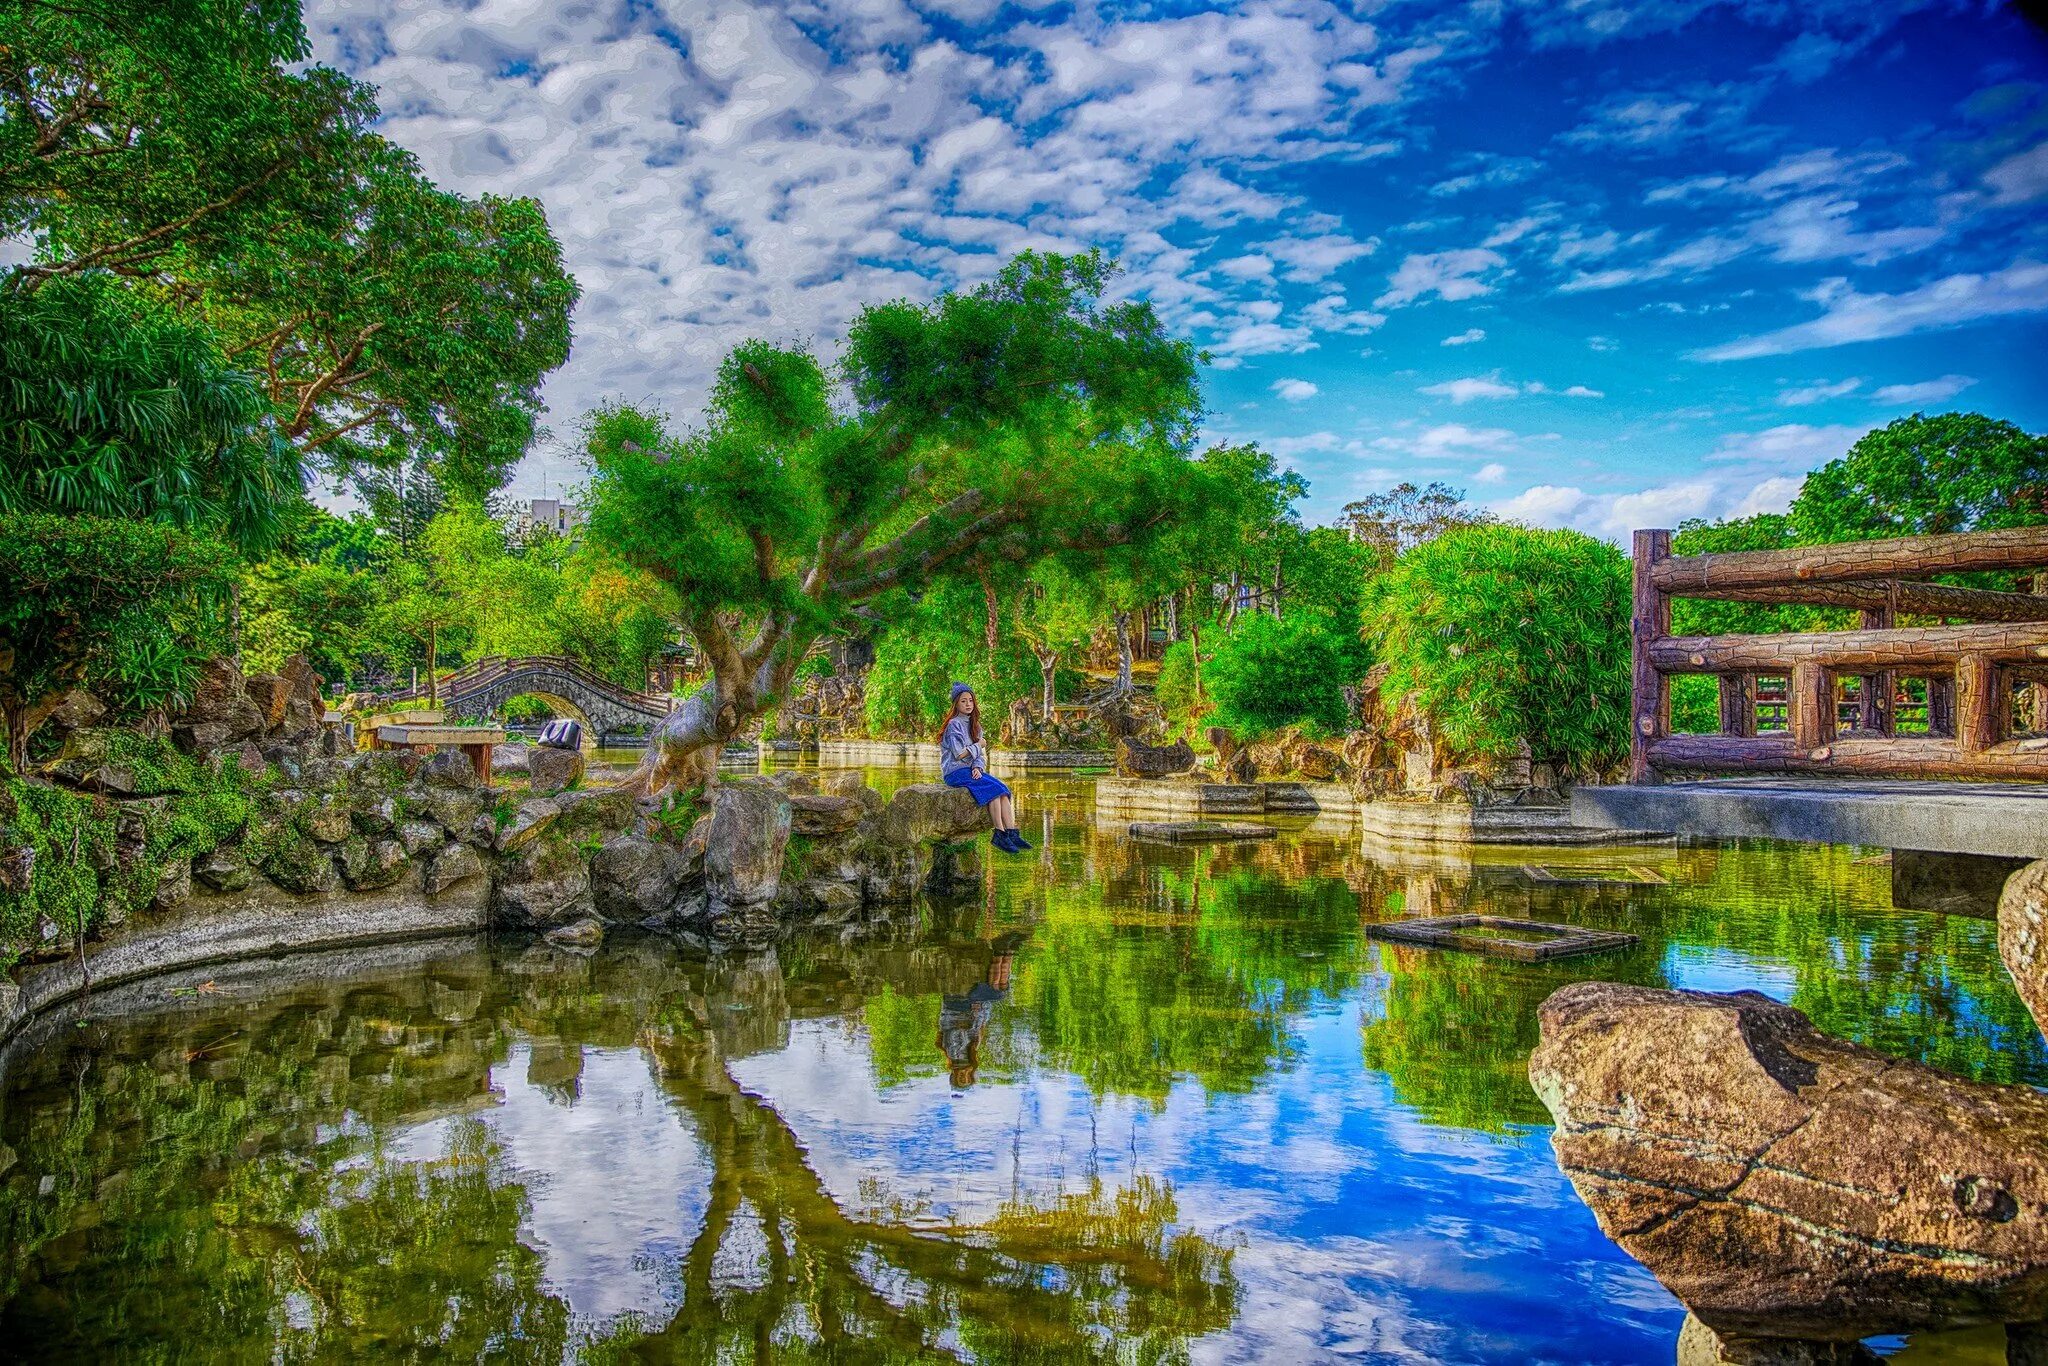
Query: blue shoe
(1018, 844)
(1001, 840)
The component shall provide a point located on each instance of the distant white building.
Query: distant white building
(550, 514)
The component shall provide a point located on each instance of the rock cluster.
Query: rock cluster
(1786, 1185)
(2023, 936)
(826, 707)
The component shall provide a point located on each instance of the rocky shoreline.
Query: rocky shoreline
(243, 826)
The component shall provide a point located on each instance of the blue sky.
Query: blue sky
(1603, 264)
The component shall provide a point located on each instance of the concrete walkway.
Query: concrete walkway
(2007, 819)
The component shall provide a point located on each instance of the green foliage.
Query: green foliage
(987, 428)
(112, 407)
(1271, 673)
(1175, 688)
(96, 602)
(1389, 524)
(939, 642)
(1508, 634)
(1764, 531)
(1326, 570)
(78, 884)
(1927, 475)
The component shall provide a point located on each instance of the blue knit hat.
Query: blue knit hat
(959, 688)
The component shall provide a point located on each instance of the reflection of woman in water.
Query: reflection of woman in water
(962, 1019)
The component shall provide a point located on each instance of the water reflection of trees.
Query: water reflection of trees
(1453, 1031)
(227, 1180)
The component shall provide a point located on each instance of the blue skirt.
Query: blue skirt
(984, 789)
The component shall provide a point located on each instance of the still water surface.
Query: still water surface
(1132, 1102)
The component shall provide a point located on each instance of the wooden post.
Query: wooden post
(1738, 704)
(1980, 722)
(1941, 705)
(1875, 713)
(1650, 620)
(1810, 704)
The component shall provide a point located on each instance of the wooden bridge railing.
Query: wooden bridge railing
(1982, 682)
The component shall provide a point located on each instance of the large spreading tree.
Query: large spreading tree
(954, 440)
(182, 147)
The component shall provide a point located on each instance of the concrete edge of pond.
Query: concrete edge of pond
(257, 923)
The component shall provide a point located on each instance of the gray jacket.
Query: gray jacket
(958, 750)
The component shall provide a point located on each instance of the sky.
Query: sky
(1602, 263)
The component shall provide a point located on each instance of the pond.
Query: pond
(1131, 1101)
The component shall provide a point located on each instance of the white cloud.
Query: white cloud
(1253, 267)
(1448, 439)
(1465, 390)
(1309, 259)
(1848, 315)
(1465, 338)
(1927, 391)
(1614, 515)
(1294, 390)
(1450, 275)
(1490, 473)
(1581, 391)
(1819, 392)
(1790, 446)
(2021, 176)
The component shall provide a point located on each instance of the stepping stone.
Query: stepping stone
(1199, 832)
(1525, 941)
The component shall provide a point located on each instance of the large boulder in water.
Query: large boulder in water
(749, 831)
(931, 811)
(1789, 1185)
(636, 878)
(2023, 936)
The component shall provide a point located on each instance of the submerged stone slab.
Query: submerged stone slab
(1411, 822)
(1525, 941)
(1199, 832)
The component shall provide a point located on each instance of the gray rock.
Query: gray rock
(376, 816)
(79, 708)
(326, 819)
(818, 816)
(586, 933)
(302, 865)
(223, 870)
(1137, 760)
(546, 884)
(174, 887)
(453, 810)
(750, 821)
(370, 864)
(638, 879)
(928, 811)
(510, 758)
(450, 768)
(201, 737)
(528, 823)
(454, 864)
(552, 770)
(217, 693)
(419, 837)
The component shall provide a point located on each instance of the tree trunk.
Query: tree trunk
(1195, 652)
(1123, 651)
(1173, 617)
(988, 629)
(1230, 603)
(433, 677)
(1048, 664)
(1278, 584)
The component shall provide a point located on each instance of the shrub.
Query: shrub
(1176, 686)
(1271, 673)
(99, 602)
(939, 642)
(1506, 634)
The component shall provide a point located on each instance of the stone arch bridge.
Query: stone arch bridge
(571, 689)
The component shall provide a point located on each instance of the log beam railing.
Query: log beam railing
(1967, 671)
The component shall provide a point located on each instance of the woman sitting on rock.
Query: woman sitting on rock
(963, 762)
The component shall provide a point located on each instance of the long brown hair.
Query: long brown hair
(973, 719)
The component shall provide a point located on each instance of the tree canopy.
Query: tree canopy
(1923, 476)
(989, 427)
(175, 145)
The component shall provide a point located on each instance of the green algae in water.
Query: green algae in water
(1124, 1102)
